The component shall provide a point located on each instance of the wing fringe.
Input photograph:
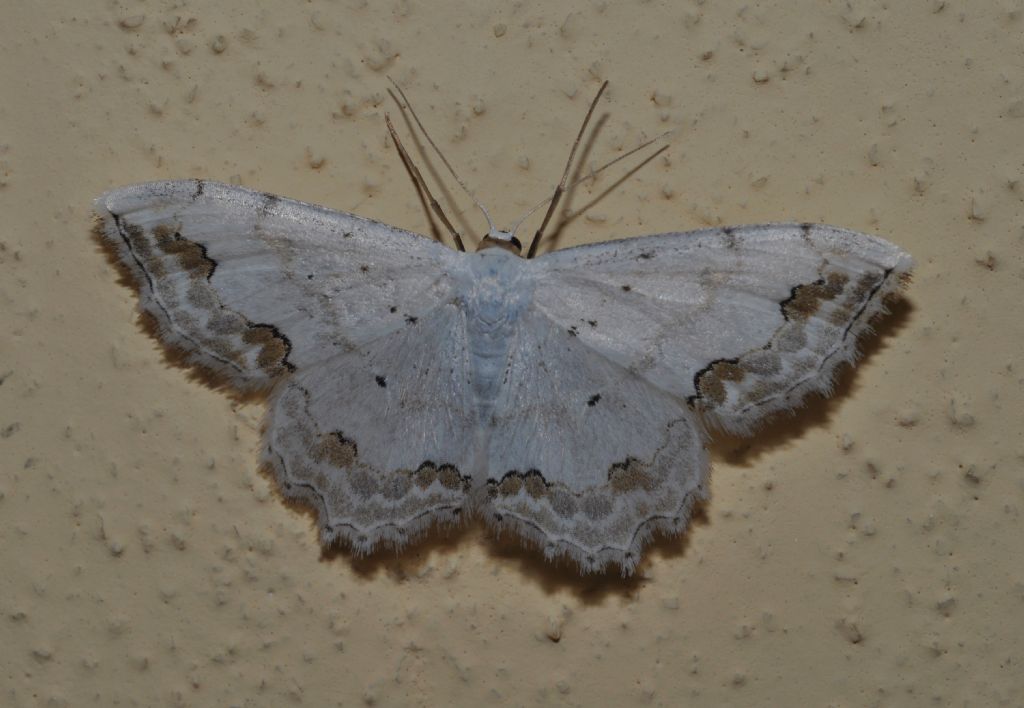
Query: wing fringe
(151, 319)
(823, 382)
(590, 561)
(361, 542)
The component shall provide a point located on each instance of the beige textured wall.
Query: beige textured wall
(867, 552)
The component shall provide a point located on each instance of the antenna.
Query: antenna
(440, 154)
(422, 184)
(596, 172)
(565, 175)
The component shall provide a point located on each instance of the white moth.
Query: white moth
(562, 398)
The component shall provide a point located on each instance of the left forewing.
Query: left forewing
(740, 322)
(247, 286)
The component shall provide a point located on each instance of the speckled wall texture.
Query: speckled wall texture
(866, 552)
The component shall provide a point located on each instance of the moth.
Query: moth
(563, 397)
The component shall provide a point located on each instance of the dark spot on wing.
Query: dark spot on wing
(192, 256)
(336, 450)
(709, 382)
(592, 323)
(594, 399)
(805, 300)
(275, 347)
(631, 475)
(309, 277)
(364, 268)
(411, 320)
(646, 255)
(381, 381)
(626, 288)
(200, 186)
(730, 237)
(805, 232)
(269, 202)
(573, 331)
(392, 309)
(347, 234)
(449, 477)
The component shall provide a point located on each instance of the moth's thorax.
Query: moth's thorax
(496, 288)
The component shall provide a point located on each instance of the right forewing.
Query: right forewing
(740, 322)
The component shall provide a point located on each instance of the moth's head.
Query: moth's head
(497, 238)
